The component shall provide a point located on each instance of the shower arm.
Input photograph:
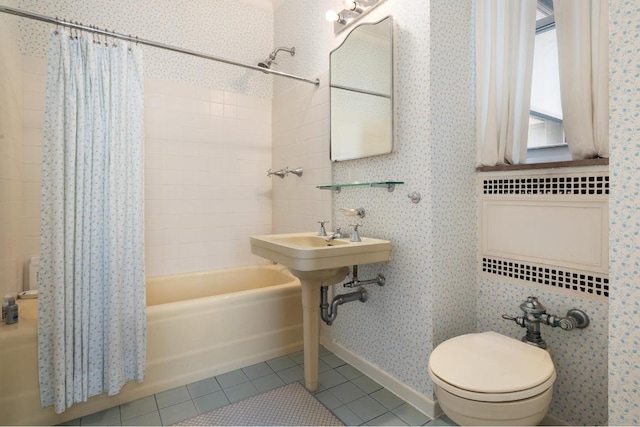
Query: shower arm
(132, 39)
(273, 54)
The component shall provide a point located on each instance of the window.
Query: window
(546, 140)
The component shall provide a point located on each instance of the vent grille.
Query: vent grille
(583, 185)
(548, 276)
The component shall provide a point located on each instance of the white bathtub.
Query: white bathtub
(198, 325)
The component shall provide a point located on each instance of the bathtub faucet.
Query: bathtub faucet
(535, 314)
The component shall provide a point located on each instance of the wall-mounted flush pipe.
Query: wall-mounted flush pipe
(330, 312)
(535, 314)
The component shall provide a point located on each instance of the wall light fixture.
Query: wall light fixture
(353, 11)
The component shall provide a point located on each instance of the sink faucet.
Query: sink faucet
(336, 235)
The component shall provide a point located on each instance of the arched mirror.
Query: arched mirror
(361, 98)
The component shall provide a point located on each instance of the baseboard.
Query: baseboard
(550, 420)
(416, 399)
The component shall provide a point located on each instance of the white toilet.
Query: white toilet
(491, 379)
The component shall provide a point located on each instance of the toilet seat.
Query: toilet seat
(491, 367)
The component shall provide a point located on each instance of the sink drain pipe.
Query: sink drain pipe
(330, 312)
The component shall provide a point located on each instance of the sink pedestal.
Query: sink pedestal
(317, 263)
(311, 282)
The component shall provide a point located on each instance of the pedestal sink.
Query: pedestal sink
(317, 263)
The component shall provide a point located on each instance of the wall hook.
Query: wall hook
(415, 197)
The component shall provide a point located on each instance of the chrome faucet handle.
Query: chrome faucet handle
(322, 231)
(281, 173)
(518, 320)
(355, 237)
(296, 171)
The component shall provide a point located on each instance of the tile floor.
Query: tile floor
(353, 397)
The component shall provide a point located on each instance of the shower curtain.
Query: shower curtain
(92, 324)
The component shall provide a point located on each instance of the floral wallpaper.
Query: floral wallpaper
(624, 241)
(207, 26)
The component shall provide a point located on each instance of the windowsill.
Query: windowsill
(547, 165)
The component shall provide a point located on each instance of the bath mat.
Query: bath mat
(289, 405)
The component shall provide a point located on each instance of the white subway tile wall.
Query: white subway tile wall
(301, 139)
(208, 152)
(206, 184)
(34, 72)
(11, 154)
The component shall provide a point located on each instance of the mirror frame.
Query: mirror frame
(362, 91)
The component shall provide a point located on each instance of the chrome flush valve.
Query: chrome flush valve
(535, 314)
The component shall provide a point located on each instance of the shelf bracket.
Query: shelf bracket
(388, 186)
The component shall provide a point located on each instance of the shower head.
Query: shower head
(272, 57)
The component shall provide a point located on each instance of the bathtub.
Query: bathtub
(198, 325)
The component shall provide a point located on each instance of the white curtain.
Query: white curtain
(582, 27)
(92, 324)
(505, 33)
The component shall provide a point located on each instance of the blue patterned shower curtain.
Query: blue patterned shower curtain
(92, 324)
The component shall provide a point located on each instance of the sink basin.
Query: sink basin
(309, 252)
(317, 263)
(310, 241)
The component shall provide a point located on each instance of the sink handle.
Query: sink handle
(322, 231)
(355, 237)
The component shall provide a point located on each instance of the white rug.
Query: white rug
(290, 405)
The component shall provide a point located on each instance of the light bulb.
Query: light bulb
(353, 6)
(332, 16)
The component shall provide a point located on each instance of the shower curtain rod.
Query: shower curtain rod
(56, 21)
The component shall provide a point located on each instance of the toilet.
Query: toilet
(490, 379)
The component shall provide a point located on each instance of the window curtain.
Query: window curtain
(582, 27)
(505, 33)
(92, 325)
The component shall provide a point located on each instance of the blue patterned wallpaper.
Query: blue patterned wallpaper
(433, 291)
(232, 29)
(395, 329)
(302, 24)
(624, 240)
(428, 277)
(580, 356)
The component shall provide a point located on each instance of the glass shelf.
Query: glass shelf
(389, 185)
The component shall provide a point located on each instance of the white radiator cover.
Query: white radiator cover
(555, 218)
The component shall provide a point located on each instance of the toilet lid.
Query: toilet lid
(491, 363)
